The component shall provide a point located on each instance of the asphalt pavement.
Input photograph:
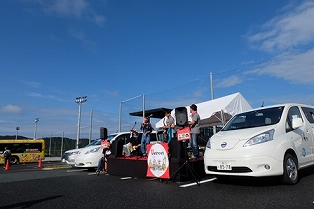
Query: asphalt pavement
(78, 188)
(26, 186)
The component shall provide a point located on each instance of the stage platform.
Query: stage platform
(136, 167)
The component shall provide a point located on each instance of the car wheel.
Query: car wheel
(14, 160)
(290, 170)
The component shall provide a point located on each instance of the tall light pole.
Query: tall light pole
(17, 132)
(79, 100)
(35, 131)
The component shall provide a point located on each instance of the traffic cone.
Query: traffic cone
(40, 163)
(7, 166)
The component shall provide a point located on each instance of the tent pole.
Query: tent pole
(212, 94)
(143, 106)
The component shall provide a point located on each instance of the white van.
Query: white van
(88, 157)
(268, 141)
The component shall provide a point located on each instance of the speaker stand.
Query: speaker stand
(188, 167)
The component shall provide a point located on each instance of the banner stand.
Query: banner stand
(183, 136)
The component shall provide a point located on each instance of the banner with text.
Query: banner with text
(157, 160)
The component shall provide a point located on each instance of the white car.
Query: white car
(70, 155)
(88, 157)
(269, 141)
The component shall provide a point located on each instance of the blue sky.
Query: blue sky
(53, 51)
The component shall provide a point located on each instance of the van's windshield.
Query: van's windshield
(256, 118)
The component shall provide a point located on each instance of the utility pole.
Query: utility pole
(79, 100)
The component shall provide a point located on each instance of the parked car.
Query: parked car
(89, 156)
(269, 141)
(70, 155)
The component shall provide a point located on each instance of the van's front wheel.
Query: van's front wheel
(290, 170)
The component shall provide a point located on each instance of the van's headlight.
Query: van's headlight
(92, 150)
(208, 144)
(261, 138)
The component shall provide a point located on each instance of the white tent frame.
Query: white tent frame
(217, 111)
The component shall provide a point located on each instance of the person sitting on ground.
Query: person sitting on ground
(102, 163)
(133, 145)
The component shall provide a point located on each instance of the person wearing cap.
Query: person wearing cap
(133, 144)
(195, 129)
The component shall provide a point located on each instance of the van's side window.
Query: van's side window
(309, 114)
(294, 112)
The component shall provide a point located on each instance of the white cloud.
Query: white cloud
(228, 82)
(80, 35)
(289, 36)
(34, 94)
(99, 19)
(287, 31)
(33, 84)
(12, 109)
(71, 8)
(66, 7)
(293, 67)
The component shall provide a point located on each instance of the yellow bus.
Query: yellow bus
(22, 151)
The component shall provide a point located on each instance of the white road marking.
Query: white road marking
(70, 171)
(125, 178)
(193, 184)
(47, 169)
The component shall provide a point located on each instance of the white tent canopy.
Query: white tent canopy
(217, 111)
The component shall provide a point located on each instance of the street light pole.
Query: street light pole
(17, 132)
(35, 131)
(79, 101)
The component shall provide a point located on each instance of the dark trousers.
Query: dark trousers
(101, 164)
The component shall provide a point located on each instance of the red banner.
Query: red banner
(183, 134)
(157, 161)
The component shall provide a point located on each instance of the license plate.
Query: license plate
(224, 166)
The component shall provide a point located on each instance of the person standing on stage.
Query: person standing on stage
(169, 131)
(169, 125)
(147, 128)
(195, 130)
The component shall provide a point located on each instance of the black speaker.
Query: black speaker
(181, 114)
(103, 133)
(117, 148)
(177, 149)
